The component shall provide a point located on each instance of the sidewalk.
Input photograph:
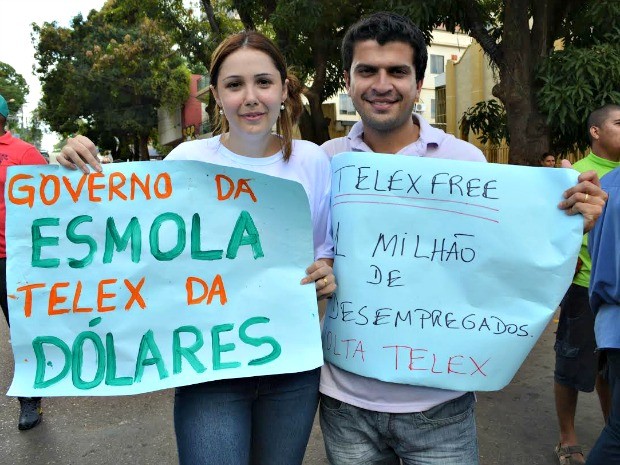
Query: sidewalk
(516, 425)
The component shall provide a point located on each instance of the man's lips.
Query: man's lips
(382, 104)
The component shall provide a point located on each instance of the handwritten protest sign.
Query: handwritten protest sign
(150, 276)
(447, 271)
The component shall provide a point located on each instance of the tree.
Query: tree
(196, 35)
(518, 36)
(582, 76)
(106, 76)
(13, 87)
(487, 119)
(308, 32)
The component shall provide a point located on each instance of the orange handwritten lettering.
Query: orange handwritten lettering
(28, 299)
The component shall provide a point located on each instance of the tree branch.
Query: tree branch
(477, 24)
(208, 9)
(244, 15)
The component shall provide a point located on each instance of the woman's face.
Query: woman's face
(249, 91)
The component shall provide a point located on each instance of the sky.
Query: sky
(16, 47)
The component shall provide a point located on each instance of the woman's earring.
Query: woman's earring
(282, 107)
(221, 112)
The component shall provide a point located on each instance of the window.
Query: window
(440, 108)
(345, 105)
(433, 108)
(437, 62)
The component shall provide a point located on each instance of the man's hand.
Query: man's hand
(322, 275)
(586, 198)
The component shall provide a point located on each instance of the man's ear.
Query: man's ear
(418, 89)
(347, 80)
(594, 133)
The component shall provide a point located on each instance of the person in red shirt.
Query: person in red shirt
(14, 151)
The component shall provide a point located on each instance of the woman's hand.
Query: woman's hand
(321, 273)
(80, 152)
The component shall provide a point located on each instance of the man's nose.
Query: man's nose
(383, 82)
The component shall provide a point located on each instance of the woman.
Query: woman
(265, 419)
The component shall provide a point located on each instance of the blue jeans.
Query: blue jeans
(442, 435)
(606, 450)
(264, 420)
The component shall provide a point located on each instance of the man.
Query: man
(604, 246)
(364, 420)
(547, 160)
(577, 366)
(13, 152)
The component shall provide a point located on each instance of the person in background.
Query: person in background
(604, 248)
(547, 160)
(364, 420)
(578, 366)
(263, 420)
(13, 152)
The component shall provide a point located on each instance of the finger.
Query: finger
(318, 269)
(317, 275)
(69, 158)
(327, 291)
(87, 151)
(591, 177)
(83, 153)
(323, 282)
(597, 197)
(62, 160)
(586, 187)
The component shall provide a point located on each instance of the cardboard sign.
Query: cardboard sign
(447, 271)
(155, 275)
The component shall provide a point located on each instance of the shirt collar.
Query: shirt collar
(428, 135)
(6, 138)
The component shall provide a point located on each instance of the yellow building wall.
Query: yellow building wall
(468, 81)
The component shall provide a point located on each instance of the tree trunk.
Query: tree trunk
(144, 147)
(529, 30)
(136, 148)
(313, 125)
(528, 129)
(522, 49)
(305, 125)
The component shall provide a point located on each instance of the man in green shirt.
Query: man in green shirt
(578, 366)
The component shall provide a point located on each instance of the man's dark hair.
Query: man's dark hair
(386, 27)
(545, 155)
(599, 116)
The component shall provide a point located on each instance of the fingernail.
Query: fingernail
(99, 168)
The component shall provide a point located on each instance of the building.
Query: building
(190, 121)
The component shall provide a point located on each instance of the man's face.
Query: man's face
(608, 135)
(548, 161)
(382, 84)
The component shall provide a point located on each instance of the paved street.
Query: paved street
(516, 425)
